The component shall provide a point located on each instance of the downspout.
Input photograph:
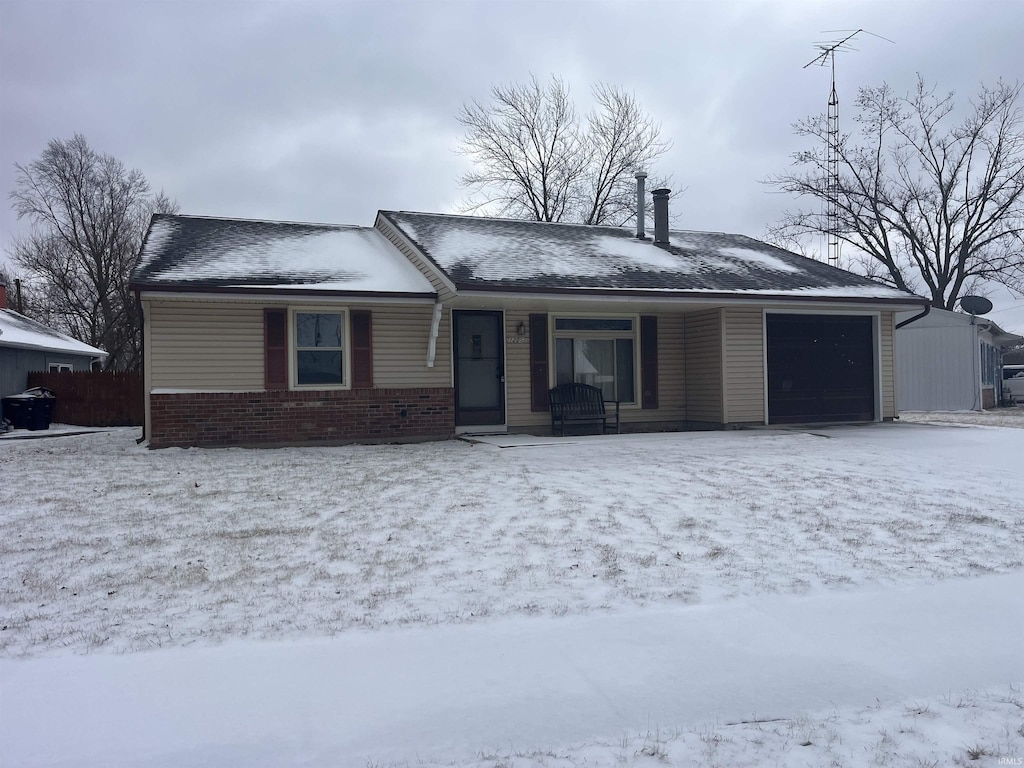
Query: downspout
(142, 365)
(927, 309)
(979, 395)
(435, 324)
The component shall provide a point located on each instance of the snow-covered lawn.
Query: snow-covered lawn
(108, 547)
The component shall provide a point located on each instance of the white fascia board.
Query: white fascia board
(435, 271)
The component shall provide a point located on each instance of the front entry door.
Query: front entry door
(479, 368)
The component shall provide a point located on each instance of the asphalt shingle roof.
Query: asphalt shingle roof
(197, 252)
(487, 253)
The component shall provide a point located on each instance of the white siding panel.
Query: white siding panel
(702, 349)
(888, 372)
(935, 368)
(744, 365)
(401, 337)
(671, 374)
(206, 346)
(517, 375)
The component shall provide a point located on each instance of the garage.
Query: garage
(821, 368)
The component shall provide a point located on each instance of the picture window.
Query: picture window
(597, 351)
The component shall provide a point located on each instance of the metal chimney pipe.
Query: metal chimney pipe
(641, 204)
(661, 215)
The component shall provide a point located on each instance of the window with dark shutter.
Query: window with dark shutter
(275, 349)
(649, 361)
(539, 362)
(362, 348)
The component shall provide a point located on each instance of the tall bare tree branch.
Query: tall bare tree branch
(89, 214)
(535, 158)
(926, 202)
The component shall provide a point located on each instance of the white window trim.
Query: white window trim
(553, 334)
(59, 367)
(346, 350)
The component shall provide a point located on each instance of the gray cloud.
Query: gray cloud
(329, 111)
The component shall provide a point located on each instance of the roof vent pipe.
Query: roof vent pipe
(661, 215)
(641, 204)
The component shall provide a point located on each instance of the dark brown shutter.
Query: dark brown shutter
(362, 348)
(275, 348)
(538, 362)
(649, 361)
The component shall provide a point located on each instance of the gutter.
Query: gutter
(672, 297)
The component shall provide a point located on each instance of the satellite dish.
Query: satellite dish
(976, 305)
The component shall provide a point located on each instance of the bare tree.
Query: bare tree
(929, 202)
(535, 158)
(89, 215)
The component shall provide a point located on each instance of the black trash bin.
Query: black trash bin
(43, 402)
(32, 409)
(18, 410)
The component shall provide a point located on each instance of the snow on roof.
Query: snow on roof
(499, 254)
(16, 330)
(196, 252)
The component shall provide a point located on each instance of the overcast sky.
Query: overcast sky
(329, 111)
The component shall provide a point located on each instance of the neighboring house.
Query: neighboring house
(950, 361)
(26, 346)
(428, 325)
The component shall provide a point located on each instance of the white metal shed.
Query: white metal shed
(949, 361)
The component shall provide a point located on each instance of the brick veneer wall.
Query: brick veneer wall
(215, 419)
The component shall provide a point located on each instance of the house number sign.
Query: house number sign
(517, 339)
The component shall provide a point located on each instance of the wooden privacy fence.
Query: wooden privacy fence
(94, 398)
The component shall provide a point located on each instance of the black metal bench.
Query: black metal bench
(579, 402)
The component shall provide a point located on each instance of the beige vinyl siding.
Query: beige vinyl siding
(401, 336)
(383, 226)
(886, 335)
(671, 394)
(517, 374)
(218, 346)
(671, 374)
(702, 351)
(206, 346)
(743, 338)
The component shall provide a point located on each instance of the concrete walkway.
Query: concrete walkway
(451, 692)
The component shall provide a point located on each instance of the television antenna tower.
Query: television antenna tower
(827, 57)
